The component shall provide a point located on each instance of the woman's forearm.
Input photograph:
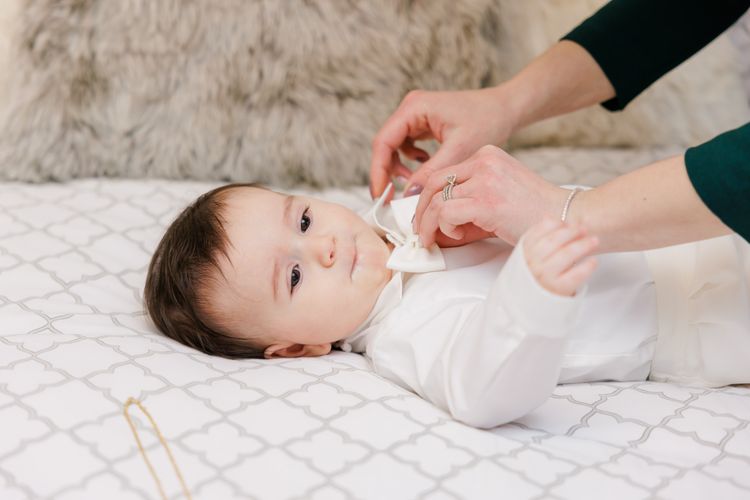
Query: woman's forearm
(651, 207)
(565, 78)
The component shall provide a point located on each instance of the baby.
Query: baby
(484, 331)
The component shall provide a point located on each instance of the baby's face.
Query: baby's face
(307, 271)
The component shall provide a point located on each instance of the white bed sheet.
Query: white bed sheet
(75, 344)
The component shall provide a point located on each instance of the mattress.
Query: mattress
(75, 345)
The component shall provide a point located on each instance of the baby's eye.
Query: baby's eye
(305, 221)
(296, 275)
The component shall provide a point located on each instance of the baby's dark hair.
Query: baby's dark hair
(185, 265)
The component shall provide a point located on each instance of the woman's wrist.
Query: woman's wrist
(651, 207)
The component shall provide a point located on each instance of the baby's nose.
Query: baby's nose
(325, 250)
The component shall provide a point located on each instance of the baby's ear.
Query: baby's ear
(296, 350)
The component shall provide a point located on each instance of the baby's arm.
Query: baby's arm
(493, 361)
(506, 360)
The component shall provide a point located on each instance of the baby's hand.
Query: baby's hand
(556, 255)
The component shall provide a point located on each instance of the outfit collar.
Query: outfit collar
(388, 299)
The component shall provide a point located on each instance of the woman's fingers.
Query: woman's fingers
(451, 152)
(380, 168)
(430, 218)
(412, 152)
(403, 125)
(461, 121)
(469, 233)
(453, 216)
(445, 215)
(434, 185)
(398, 169)
(512, 197)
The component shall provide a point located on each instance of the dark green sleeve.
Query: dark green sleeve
(635, 42)
(720, 172)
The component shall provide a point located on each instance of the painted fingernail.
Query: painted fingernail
(414, 189)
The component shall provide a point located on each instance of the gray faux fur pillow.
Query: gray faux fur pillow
(273, 91)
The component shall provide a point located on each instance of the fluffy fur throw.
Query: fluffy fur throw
(287, 91)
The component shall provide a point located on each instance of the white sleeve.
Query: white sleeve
(488, 362)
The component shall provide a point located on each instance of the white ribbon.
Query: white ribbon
(409, 255)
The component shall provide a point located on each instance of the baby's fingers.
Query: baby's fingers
(553, 240)
(573, 278)
(569, 254)
(535, 235)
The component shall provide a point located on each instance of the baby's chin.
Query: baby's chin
(370, 268)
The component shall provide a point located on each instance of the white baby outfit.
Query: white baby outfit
(481, 339)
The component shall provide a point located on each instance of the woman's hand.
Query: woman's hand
(495, 194)
(559, 255)
(461, 121)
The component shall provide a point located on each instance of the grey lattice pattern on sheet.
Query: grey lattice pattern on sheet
(74, 345)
